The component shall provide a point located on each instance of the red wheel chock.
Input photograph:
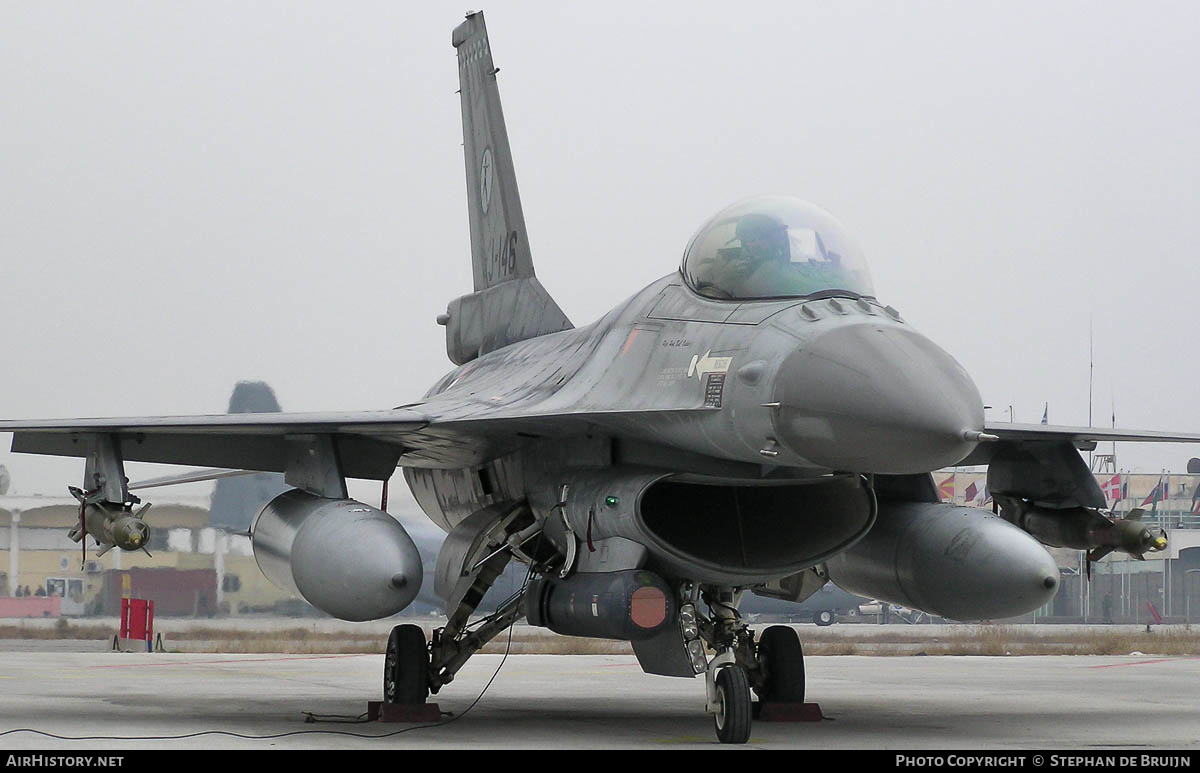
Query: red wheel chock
(382, 711)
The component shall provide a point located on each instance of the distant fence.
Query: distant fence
(1172, 520)
(1174, 594)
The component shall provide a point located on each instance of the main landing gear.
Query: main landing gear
(406, 667)
(413, 668)
(781, 666)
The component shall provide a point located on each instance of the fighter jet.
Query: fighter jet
(756, 421)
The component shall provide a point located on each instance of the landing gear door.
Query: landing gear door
(664, 654)
(796, 587)
(467, 552)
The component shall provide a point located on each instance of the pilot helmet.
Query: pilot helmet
(762, 236)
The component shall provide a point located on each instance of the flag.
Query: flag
(1113, 490)
(1158, 493)
(946, 489)
(977, 494)
(1045, 413)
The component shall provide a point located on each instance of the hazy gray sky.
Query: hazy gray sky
(193, 193)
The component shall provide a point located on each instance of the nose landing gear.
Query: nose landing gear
(773, 668)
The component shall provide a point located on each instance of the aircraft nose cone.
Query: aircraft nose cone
(876, 398)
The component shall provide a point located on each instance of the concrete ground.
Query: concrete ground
(139, 700)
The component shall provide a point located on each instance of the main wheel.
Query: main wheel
(733, 705)
(406, 666)
(824, 617)
(782, 660)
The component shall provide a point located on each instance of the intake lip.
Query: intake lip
(876, 398)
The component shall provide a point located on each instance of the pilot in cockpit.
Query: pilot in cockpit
(767, 253)
(750, 263)
(763, 238)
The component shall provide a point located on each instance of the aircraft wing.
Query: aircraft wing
(1083, 438)
(369, 444)
(1084, 435)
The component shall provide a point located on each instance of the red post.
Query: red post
(149, 626)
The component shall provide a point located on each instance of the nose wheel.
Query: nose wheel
(733, 706)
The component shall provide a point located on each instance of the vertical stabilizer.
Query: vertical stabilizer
(499, 249)
(508, 304)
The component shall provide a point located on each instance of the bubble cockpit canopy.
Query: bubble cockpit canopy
(774, 247)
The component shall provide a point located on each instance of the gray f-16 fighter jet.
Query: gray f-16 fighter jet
(756, 421)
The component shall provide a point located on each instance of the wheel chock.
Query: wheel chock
(382, 711)
(787, 712)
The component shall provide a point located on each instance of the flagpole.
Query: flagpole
(1166, 495)
(1113, 398)
(1091, 374)
(1091, 369)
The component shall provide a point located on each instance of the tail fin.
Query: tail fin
(509, 304)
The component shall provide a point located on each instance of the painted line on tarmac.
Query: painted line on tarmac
(1147, 662)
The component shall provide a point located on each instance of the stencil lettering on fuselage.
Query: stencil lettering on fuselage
(502, 258)
(711, 372)
(703, 365)
(714, 387)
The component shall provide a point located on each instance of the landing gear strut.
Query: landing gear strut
(415, 668)
(727, 678)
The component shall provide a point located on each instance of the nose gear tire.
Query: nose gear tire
(732, 719)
